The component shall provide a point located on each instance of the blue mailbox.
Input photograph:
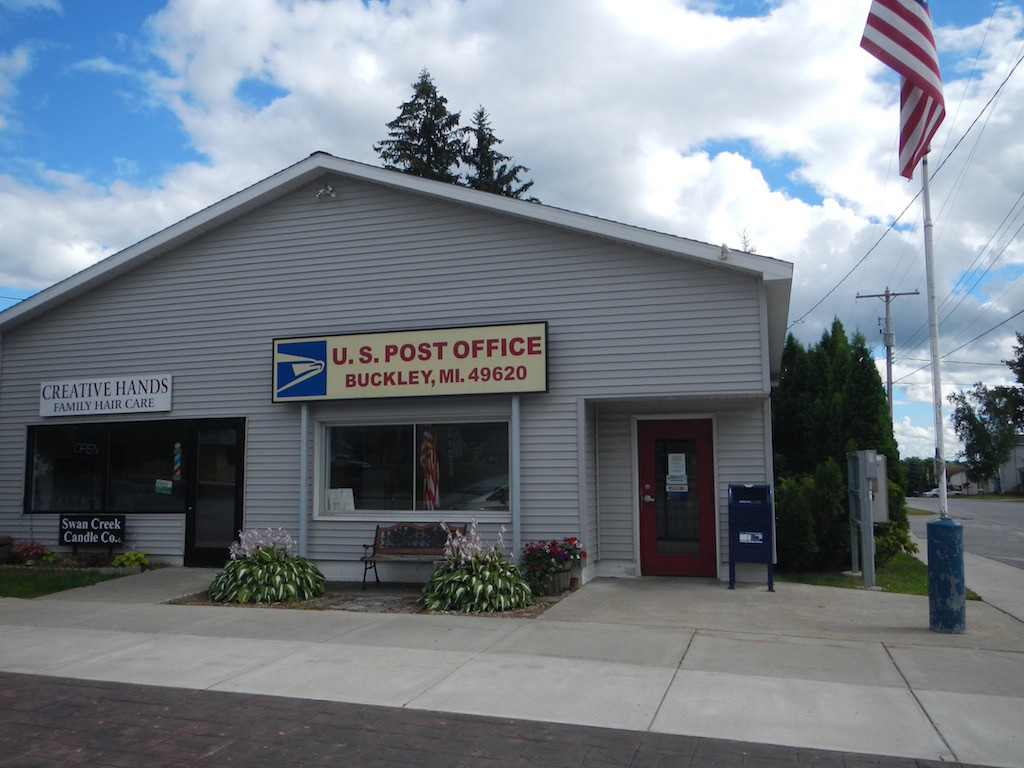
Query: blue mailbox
(750, 529)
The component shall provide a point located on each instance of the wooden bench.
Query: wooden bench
(406, 543)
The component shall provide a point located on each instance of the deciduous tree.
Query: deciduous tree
(989, 419)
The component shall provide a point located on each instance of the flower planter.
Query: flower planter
(559, 583)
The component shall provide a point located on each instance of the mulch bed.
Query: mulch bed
(377, 598)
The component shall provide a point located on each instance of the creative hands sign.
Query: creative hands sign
(120, 394)
(446, 361)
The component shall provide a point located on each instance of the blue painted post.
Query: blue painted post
(947, 601)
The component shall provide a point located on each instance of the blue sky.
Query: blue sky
(728, 122)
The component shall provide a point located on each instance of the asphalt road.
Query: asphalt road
(992, 529)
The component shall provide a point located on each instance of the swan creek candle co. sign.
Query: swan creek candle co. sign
(92, 530)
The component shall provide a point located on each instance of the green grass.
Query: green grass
(33, 582)
(919, 512)
(904, 574)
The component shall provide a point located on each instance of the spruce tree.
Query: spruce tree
(491, 171)
(425, 139)
(830, 401)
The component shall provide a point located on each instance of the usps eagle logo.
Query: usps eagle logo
(300, 369)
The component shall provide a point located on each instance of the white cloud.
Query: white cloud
(619, 109)
(13, 67)
(22, 6)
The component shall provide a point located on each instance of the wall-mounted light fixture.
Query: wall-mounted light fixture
(326, 192)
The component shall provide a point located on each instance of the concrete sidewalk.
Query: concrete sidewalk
(848, 671)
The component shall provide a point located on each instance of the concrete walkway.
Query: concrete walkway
(846, 671)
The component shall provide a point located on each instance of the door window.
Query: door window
(677, 485)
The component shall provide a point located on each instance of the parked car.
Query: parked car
(489, 494)
(949, 492)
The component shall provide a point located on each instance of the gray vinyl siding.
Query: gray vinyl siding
(616, 507)
(589, 476)
(621, 321)
(739, 435)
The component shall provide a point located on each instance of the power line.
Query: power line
(891, 226)
(854, 269)
(965, 344)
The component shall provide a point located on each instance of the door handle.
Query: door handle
(648, 499)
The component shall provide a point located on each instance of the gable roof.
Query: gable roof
(776, 274)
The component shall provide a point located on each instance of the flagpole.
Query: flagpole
(947, 606)
(933, 333)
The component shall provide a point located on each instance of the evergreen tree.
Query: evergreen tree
(920, 474)
(791, 412)
(491, 171)
(868, 424)
(425, 139)
(830, 401)
(830, 364)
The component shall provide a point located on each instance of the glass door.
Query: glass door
(215, 510)
(677, 498)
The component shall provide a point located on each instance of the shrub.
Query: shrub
(475, 577)
(263, 569)
(794, 524)
(541, 559)
(893, 537)
(813, 526)
(132, 559)
(51, 558)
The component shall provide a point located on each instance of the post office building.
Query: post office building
(341, 346)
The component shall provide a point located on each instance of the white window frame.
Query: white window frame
(458, 516)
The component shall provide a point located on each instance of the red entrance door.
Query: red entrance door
(677, 498)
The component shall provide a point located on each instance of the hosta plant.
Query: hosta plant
(475, 577)
(263, 569)
(133, 558)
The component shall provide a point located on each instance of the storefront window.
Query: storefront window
(68, 463)
(129, 467)
(147, 466)
(418, 467)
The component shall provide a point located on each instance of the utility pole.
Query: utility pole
(888, 336)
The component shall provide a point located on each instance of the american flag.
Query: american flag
(428, 460)
(899, 34)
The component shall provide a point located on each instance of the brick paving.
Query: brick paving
(58, 722)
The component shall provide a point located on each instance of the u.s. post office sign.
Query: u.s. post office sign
(443, 361)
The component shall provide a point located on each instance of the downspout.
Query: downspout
(596, 543)
(303, 478)
(514, 479)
